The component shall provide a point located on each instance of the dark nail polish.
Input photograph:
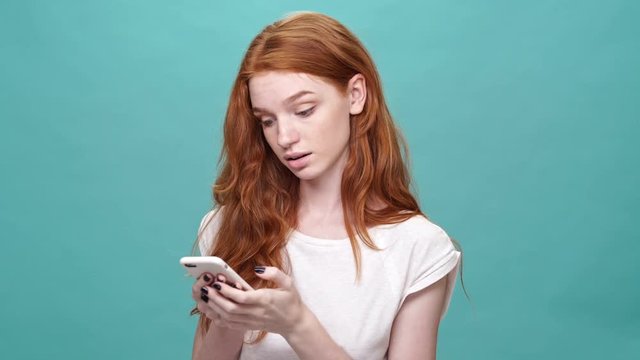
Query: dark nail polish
(204, 297)
(207, 278)
(204, 290)
(217, 286)
(259, 269)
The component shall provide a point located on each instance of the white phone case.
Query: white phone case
(196, 265)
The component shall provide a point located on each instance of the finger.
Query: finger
(203, 280)
(229, 314)
(213, 305)
(206, 310)
(222, 278)
(274, 274)
(206, 295)
(229, 311)
(235, 296)
(206, 278)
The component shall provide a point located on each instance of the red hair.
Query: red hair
(258, 195)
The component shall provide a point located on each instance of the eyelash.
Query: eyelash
(303, 113)
(306, 113)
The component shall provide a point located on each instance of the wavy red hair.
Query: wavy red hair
(258, 195)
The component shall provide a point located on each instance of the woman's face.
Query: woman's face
(305, 120)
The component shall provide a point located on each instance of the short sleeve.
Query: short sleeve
(433, 256)
(208, 230)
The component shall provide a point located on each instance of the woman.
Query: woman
(314, 211)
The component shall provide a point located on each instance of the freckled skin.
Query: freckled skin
(315, 123)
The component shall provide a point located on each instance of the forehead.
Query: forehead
(275, 87)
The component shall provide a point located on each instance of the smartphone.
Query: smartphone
(196, 265)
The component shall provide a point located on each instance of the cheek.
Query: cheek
(271, 139)
(338, 128)
(330, 119)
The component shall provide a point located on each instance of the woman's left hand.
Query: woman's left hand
(278, 310)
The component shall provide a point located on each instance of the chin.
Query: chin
(305, 174)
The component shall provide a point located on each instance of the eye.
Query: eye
(266, 123)
(305, 113)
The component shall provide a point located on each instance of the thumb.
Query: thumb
(274, 274)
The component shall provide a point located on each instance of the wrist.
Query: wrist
(310, 340)
(302, 327)
(225, 332)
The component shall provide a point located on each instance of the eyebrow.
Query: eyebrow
(288, 100)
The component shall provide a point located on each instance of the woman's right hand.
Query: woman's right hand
(225, 343)
(206, 279)
(201, 298)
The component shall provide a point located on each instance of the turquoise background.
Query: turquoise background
(522, 117)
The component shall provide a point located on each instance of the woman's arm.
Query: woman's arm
(217, 343)
(278, 310)
(415, 329)
(310, 340)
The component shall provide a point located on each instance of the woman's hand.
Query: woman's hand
(224, 342)
(196, 293)
(278, 310)
(201, 298)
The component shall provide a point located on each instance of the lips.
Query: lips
(297, 161)
(295, 156)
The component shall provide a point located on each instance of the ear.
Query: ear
(357, 93)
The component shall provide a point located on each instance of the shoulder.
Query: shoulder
(415, 232)
(418, 223)
(209, 217)
(417, 249)
(208, 230)
(419, 253)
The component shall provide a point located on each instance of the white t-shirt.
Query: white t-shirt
(415, 254)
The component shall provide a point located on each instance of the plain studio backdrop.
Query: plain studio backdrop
(522, 119)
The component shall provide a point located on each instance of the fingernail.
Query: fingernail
(204, 297)
(217, 286)
(207, 278)
(204, 290)
(259, 269)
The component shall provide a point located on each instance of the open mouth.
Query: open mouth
(292, 158)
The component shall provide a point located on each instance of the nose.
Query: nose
(287, 133)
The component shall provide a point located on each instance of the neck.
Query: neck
(320, 209)
(322, 196)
